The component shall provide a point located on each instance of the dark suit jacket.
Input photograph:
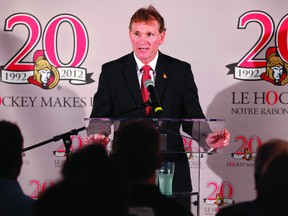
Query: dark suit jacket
(119, 96)
(119, 90)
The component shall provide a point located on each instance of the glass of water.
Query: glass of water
(165, 177)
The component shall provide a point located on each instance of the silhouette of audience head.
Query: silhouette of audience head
(266, 152)
(13, 201)
(273, 186)
(91, 184)
(136, 149)
(11, 146)
(91, 157)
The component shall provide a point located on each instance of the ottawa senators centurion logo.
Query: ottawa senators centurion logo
(276, 68)
(45, 75)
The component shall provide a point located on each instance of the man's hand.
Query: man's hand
(97, 139)
(218, 139)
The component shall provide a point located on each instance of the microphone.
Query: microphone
(153, 98)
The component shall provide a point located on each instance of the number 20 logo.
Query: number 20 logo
(267, 27)
(49, 40)
(20, 69)
(249, 66)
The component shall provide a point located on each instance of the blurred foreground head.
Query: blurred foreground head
(266, 152)
(11, 146)
(136, 149)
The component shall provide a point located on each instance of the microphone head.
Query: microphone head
(148, 83)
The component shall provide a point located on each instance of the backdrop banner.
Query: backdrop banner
(237, 50)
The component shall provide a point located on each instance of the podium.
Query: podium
(180, 138)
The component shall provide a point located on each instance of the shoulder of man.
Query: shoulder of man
(172, 60)
(119, 64)
(121, 60)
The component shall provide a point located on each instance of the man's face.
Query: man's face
(146, 39)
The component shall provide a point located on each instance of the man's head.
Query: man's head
(136, 150)
(147, 15)
(273, 186)
(83, 164)
(266, 152)
(91, 179)
(11, 146)
(147, 32)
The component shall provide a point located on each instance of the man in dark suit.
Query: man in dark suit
(119, 94)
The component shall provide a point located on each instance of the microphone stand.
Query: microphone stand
(66, 140)
(66, 136)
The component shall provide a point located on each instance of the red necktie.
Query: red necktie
(145, 94)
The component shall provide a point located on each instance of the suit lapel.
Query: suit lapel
(162, 74)
(130, 74)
